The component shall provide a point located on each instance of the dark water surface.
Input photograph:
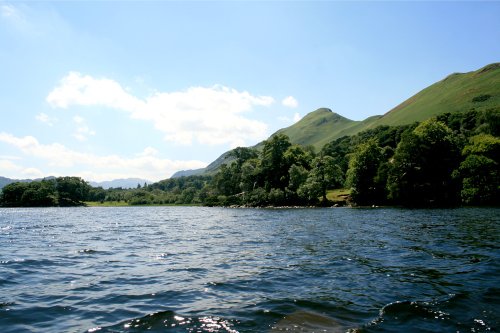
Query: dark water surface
(193, 269)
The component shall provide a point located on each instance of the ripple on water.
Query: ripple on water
(191, 269)
(172, 322)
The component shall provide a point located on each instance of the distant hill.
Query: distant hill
(6, 181)
(478, 90)
(123, 183)
(209, 169)
(187, 173)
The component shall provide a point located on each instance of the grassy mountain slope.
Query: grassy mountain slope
(456, 92)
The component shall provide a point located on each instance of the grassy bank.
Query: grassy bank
(338, 195)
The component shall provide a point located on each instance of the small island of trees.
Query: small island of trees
(445, 161)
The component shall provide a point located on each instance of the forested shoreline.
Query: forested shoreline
(449, 160)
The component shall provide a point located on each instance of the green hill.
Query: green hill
(322, 126)
(457, 92)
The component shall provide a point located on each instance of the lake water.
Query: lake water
(195, 269)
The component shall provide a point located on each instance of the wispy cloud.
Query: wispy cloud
(16, 16)
(10, 12)
(82, 131)
(46, 119)
(209, 115)
(145, 164)
(290, 102)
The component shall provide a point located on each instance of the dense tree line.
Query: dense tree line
(62, 191)
(448, 160)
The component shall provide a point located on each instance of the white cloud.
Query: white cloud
(82, 131)
(145, 165)
(211, 116)
(290, 102)
(78, 89)
(44, 118)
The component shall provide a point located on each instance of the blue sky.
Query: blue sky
(107, 90)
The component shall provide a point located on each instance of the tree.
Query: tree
(274, 163)
(363, 170)
(298, 176)
(251, 175)
(323, 175)
(71, 190)
(421, 171)
(339, 150)
(297, 155)
(12, 194)
(224, 182)
(480, 172)
(187, 196)
(96, 194)
(243, 154)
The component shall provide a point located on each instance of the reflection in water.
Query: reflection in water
(302, 321)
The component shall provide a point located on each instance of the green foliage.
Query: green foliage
(480, 180)
(274, 163)
(283, 174)
(251, 174)
(12, 194)
(326, 174)
(298, 176)
(72, 191)
(363, 170)
(481, 98)
(483, 144)
(480, 171)
(97, 194)
(62, 191)
(421, 171)
(339, 150)
(310, 191)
